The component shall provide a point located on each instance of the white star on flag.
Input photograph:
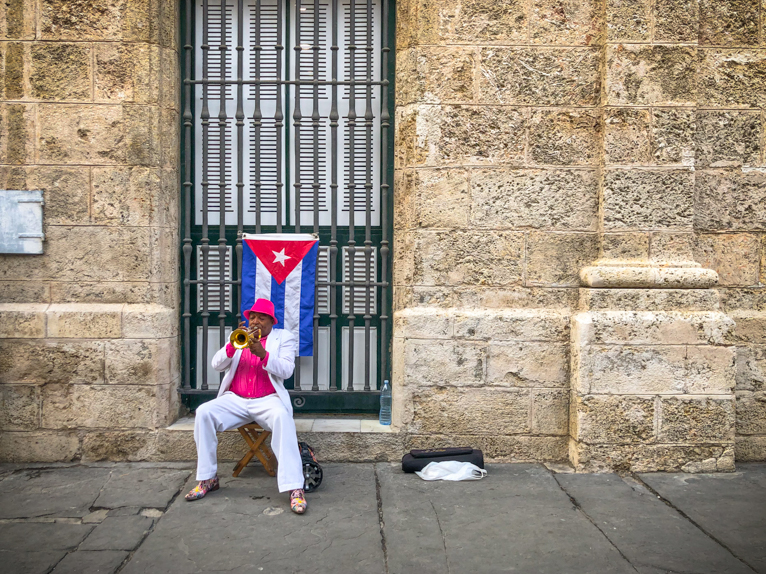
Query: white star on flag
(280, 257)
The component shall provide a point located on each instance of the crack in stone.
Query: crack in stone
(381, 522)
(444, 538)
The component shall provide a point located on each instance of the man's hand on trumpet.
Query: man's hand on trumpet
(254, 340)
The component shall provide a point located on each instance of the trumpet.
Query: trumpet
(240, 338)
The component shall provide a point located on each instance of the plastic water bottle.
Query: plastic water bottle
(385, 404)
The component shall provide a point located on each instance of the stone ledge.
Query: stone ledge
(608, 277)
(316, 425)
(22, 321)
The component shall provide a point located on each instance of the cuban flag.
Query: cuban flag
(281, 267)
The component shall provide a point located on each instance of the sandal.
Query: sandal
(298, 501)
(202, 489)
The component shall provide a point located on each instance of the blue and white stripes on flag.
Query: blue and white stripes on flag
(281, 267)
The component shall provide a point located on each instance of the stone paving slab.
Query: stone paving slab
(28, 536)
(247, 527)
(517, 519)
(118, 533)
(731, 507)
(144, 487)
(651, 535)
(86, 562)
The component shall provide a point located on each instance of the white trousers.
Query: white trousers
(231, 411)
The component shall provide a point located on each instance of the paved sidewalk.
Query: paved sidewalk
(373, 519)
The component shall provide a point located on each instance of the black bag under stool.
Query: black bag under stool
(417, 460)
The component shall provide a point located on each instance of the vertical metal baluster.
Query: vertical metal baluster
(351, 191)
(240, 116)
(385, 125)
(315, 123)
(368, 199)
(222, 186)
(187, 194)
(297, 118)
(278, 114)
(257, 117)
(204, 247)
(333, 254)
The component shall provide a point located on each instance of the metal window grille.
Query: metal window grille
(286, 127)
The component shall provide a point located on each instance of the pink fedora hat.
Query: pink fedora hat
(262, 306)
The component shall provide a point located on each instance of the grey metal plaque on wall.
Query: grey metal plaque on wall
(21, 221)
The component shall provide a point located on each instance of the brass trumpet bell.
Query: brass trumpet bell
(239, 339)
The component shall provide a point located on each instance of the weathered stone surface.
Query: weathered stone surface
(733, 299)
(674, 135)
(730, 200)
(512, 325)
(17, 129)
(81, 134)
(648, 199)
(728, 138)
(12, 57)
(19, 407)
(118, 445)
(554, 259)
(115, 292)
(18, 20)
(498, 448)
(440, 197)
(625, 246)
(471, 411)
(164, 255)
(609, 419)
(118, 533)
(141, 361)
(676, 20)
(528, 364)
(750, 448)
(550, 412)
(424, 323)
(651, 75)
(437, 362)
(462, 257)
(751, 413)
(673, 249)
(751, 327)
(628, 20)
(127, 73)
(169, 78)
(169, 144)
(91, 561)
(734, 256)
(516, 298)
(66, 190)
(696, 419)
(149, 322)
(142, 132)
(652, 458)
(567, 22)
(84, 321)
(731, 78)
(24, 292)
(638, 277)
(88, 406)
(60, 71)
(126, 196)
(565, 200)
(657, 299)
(729, 22)
(751, 368)
(627, 136)
(564, 137)
(435, 75)
(47, 361)
(39, 446)
(539, 76)
(81, 20)
(22, 320)
(482, 21)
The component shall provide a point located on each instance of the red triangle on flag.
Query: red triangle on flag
(278, 256)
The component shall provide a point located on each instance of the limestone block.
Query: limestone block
(403, 200)
(179, 445)
(19, 407)
(648, 199)
(568, 22)
(435, 74)
(170, 92)
(729, 22)
(734, 256)
(424, 323)
(24, 292)
(17, 130)
(651, 75)
(142, 130)
(164, 255)
(498, 448)
(564, 137)
(730, 200)
(731, 77)
(513, 325)
(674, 135)
(658, 299)
(516, 298)
(403, 268)
(528, 364)
(554, 259)
(441, 198)
(627, 136)
(471, 411)
(169, 143)
(676, 20)
(41, 446)
(115, 292)
(610, 419)
(540, 76)
(751, 327)
(428, 297)
(355, 447)
(126, 195)
(13, 54)
(751, 413)
(762, 278)
(149, 322)
(565, 200)
(42, 362)
(728, 138)
(696, 419)
(648, 277)
(98, 406)
(65, 190)
(18, 19)
(141, 361)
(127, 73)
(409, 148)
(655, 369)
(468, 257)
(438, 362)
(673, 249)
(116, 446)
(550, 412)
(750, 448)
(628, 20)
(168, 28)
(625, 246)
(81, 20)
(84, 321)
(481, 21)
(81, 134)
(60, 72)
(22, 320)
(751, 368)
(743, 299)
(652, 458)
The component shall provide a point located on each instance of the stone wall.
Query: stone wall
(89, 330)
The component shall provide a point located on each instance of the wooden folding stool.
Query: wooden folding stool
(255, 437)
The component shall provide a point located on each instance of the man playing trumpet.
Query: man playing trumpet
(253, 391)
